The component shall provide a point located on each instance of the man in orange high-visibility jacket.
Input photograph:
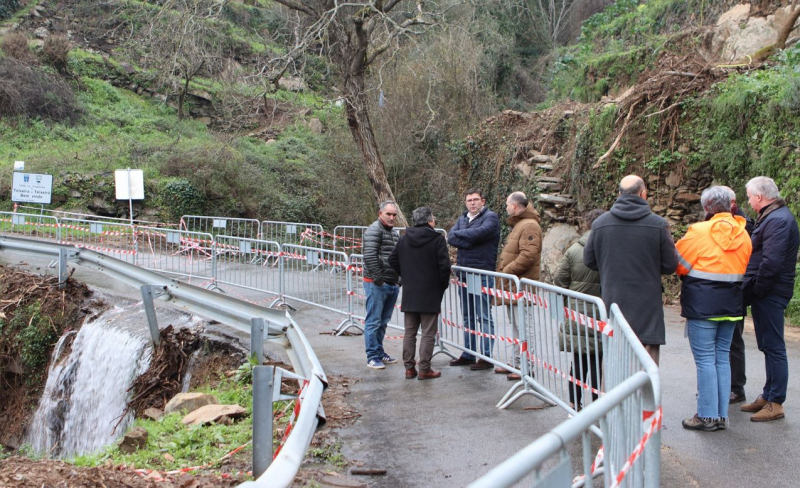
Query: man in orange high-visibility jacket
(712, 259)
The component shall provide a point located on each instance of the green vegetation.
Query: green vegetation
(192, 445)
(30, 335)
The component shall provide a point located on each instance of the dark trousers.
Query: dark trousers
(768, 321)
(587, 367)
(412, 323)
(738, 377)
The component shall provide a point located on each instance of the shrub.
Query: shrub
(55, 52)
(29, 92)
(7, 8)
(15, 46)
(181, 198)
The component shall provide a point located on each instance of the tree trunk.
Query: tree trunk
(361, 130)
(787, 28)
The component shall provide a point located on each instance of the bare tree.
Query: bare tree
(353, 35)
(179, 43)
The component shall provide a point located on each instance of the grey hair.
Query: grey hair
(764, 186)
(635, 189)
(716, 199)
(421, 216)
(386, 203)
(518, 198)
(731, 193)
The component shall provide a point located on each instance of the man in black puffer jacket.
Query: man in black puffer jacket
(380, 283)
(422, 261)
(768, 288)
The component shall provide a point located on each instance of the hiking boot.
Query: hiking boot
(771, 411)
(722, 424)
(411, 373)
(736, 398)
(481, 365)
(375, 364)
(429, 374)
(756, 406)
(700, 423)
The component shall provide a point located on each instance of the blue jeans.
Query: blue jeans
(711, 346)
(477, 308)
(768, 321)
(380, 305)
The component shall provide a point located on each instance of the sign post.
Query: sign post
(130, 186)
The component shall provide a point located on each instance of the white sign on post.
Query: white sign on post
(130, 186)
(19, 165)
(129, 183)
(32, 188)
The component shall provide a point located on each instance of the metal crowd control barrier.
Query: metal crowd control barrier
(564, 348)
(357, 299)
(297, 233)
(246, 228)
(176, 252)
(480, 315)
(348, 238)
(39, 227)
(240, 315)
(629, 414)
(248, 263)
(402, 230)
(304, 277)
(112, 239)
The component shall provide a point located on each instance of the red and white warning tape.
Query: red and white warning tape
(655, 425)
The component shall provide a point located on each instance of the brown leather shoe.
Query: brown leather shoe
(771, 411)
(481, 365)
(499, 370)
(429, 375)
(736, 398)
(756, 406)
(411, 373)
(462, 361)
(513, 377)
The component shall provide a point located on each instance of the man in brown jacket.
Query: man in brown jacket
(520, 255)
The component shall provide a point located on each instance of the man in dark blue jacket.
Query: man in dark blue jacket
(768, 287)
(476, 235)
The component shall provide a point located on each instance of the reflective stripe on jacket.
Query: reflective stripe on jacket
(712, 259)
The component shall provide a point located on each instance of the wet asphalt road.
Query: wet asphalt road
(447, 432)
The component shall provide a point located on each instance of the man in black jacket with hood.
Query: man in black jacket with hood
(422, 261)
(632, 247)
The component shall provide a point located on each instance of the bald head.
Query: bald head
(632, 185)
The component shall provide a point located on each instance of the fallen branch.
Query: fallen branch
(619, 137)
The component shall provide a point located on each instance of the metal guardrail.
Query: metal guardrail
(233, 312)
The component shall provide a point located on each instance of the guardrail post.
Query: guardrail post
(63, 256)
(257, 326)
(150, 312)
(263, 386)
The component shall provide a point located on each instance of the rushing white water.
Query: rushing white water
(85, 397)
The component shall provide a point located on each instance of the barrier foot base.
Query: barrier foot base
(214, 287)
(513, 395)
(344, 325)
(444, 351)
(281, 305)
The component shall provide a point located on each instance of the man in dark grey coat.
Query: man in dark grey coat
(421, 259)
(632, 247)
(380, 283)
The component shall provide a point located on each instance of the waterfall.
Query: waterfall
(82, 406)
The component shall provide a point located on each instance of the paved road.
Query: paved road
(447, 432)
